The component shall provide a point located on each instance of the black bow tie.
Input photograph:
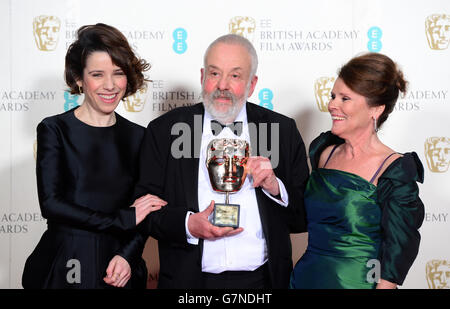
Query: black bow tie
(217, 127)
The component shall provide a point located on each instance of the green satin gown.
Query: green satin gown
(344, 232)
(359, 232)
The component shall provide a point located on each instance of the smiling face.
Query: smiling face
(104, 83)
(226, 81)
(350, 112)
(226, 159)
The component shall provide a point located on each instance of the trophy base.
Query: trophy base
(226, 215)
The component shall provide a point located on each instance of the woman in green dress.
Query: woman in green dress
(362, 198)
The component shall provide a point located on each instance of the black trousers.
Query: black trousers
(257, 279)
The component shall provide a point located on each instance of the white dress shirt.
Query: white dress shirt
(246, 250)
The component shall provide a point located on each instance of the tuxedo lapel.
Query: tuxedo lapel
(259, 129)
(258, 123)
(189, 166)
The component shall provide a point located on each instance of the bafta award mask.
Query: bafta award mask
(46, 32)
(225, 160)
(437, 152)
(437, 29)
(438, 274)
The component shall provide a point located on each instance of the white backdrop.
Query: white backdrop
(300, 44)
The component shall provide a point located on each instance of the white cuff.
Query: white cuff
(283, 193)
(190, 239)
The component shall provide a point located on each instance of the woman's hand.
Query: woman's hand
(145, 205)
(118, 272)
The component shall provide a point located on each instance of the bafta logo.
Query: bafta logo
(437, 152)
(322, 92)
(437, 29)
(438, 274)
(46, 32)
(243, 26)
(136, 102)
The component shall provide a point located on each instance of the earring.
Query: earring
(80, 89)
(375, 127)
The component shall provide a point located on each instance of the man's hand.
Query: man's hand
(200, 227)
(263, 175)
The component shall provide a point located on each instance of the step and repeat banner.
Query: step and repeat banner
(300, 44)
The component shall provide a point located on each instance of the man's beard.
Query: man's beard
(233, 110)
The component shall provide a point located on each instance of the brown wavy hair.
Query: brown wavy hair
(105, 38)
(376, 77)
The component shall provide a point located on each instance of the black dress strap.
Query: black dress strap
(331, 153)
(379, 169)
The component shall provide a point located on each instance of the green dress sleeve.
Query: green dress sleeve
(319, 144)
(402, 216)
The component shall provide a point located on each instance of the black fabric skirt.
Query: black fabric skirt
(69, 258)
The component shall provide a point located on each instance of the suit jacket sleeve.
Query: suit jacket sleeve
(298, 172)
(168, 222)
(50, 177)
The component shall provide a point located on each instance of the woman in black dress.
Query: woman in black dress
(86, 171)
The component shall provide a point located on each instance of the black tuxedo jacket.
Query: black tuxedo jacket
(175, 180)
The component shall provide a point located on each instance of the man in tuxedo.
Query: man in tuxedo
(193, 252)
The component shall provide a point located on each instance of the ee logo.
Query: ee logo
(374, 44)
(70, 100)
(265, 98)
(179, 35)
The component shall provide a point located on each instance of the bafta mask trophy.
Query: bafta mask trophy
(225, 161)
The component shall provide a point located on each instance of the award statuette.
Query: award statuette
(225, 161)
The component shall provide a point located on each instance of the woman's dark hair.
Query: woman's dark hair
(101, 37)
(376, 77)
